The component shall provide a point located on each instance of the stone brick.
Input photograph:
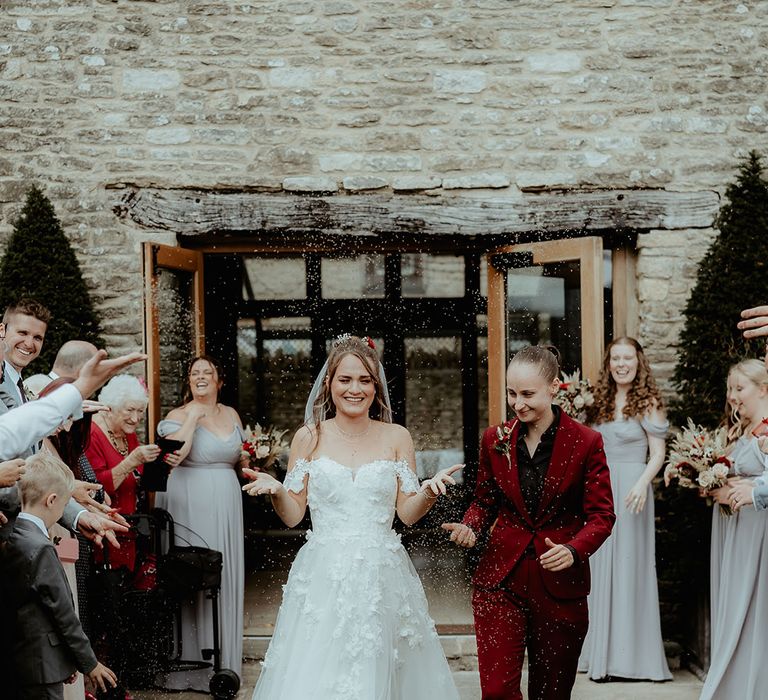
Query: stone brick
(146, 80)
(475, 181)
(457, 81)
(355, 183)
(310, 184)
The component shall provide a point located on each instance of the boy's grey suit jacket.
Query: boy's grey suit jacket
(48, 644)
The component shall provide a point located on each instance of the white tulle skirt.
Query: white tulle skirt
(353, 625)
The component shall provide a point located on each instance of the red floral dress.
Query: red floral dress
(104, 458)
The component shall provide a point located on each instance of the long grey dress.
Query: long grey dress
(205, 501)
(624, 636)
(739, 594)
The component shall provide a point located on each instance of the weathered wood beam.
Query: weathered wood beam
(197, 212)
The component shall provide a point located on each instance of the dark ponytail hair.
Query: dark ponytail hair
(73, 443)
(545, 357)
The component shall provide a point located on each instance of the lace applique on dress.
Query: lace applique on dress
(409, 483)
(294, 479)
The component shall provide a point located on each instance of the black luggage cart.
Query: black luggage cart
(154, 614)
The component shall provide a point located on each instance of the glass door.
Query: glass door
(550, 292)
(174, 329)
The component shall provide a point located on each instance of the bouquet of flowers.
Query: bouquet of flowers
(575, 395)
(263, 447)
(697, 459)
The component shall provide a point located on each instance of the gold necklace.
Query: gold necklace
(352, 436)
(113, 439)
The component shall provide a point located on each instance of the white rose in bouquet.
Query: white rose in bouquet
(720, 471)
(706, 479)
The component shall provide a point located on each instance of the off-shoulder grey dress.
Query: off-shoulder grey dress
(205, 501)
(624, 637)
(739, 593)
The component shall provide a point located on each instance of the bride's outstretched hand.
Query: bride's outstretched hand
(437, 484)
(461, 534)
(260, 482)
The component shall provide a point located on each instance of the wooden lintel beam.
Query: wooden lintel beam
(192, 213)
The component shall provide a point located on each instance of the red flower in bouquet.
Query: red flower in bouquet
(263, 447)
(698, 460)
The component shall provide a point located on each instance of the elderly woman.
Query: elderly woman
(117, 457)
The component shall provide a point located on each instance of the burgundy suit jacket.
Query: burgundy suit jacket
(576, 507)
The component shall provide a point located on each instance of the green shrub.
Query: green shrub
(40, 263)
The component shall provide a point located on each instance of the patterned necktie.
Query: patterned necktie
(23, 393)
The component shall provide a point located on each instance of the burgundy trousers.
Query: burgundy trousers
(521, 614)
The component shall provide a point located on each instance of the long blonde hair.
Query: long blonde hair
(755, 371)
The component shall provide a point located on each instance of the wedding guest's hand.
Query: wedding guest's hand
(635, 499)
(755, 322)
(96, 527)
(84, 491)
(90, 406)
(103, 676)
(762, 443)
(11, 471)
(557, 557)
(260, 482)
(740, 494)
(145, 453)
(719, 495)
(437, 484)
(461, 534)
(196, 412)
(172, 459)
(3, 519)
(99, 369)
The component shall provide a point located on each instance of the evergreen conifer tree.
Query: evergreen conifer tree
(40, 263)
(733, 275)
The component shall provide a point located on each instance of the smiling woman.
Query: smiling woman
(353, 609)
(204, 499)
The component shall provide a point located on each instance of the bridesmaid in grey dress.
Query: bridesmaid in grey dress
(205, 501)
(624, 637)
(739, 557)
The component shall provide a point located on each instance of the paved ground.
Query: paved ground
(685, 686)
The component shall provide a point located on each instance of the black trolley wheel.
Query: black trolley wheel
(224, 684)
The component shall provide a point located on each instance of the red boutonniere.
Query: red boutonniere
(503, 442)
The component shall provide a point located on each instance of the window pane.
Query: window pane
(274, 278)
(173, 298)
(432, 275)
(353, 278)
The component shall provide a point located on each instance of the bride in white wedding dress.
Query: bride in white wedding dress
(353, 624)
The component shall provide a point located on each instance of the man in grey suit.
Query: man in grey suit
(46, 642)
(22, 332)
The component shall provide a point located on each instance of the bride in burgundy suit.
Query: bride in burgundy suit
(544, 490)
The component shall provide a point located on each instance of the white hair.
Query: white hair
(36, 383)
(123, 389)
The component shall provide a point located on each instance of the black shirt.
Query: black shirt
(533, 468)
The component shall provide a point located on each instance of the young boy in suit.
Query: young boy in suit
(47, 645)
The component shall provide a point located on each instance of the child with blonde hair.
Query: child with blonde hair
(47, 644)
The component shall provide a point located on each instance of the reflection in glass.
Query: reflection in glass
(352, 278)
(274, 278)
(173, 299)
(544, 308)
(425, 275)
(434, 400)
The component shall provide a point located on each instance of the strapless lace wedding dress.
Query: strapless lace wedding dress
(353, 624)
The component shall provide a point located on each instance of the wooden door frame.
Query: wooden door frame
(158, 256)
(589, 252)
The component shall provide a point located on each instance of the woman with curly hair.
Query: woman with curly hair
(624, 637)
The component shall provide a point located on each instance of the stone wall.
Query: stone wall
(438, 95)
